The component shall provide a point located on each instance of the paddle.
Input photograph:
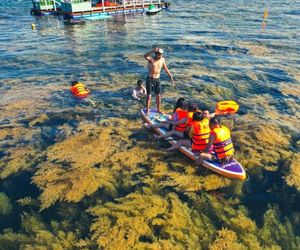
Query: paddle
(226, 107)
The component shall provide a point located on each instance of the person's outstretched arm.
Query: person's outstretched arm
(168, 72)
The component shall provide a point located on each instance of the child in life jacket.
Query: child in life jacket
(178, 121)
(79, 90)
(198, 131)
(188, 133)
(220, 140)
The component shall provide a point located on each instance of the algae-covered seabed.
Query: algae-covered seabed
(73, 176)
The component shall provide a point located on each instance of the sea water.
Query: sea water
(215, 50)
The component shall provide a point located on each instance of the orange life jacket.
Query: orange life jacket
(201, 133)
(190, 119)
(181, 114)
(79, 90)
(223, 144)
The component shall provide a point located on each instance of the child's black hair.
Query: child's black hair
(197, 116)
(184, 105)
(179, 103)
(74, 83)
(192, 107)
(139, 83)
(215, 121)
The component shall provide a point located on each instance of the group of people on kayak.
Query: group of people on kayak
(199, 130)
(196, 129)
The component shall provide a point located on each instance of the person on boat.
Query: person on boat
(192, 108)
(79, 90)
(140, 90)
(198, 134)
(178, 104)
(207, 114)
(178, 122)
(155, 64)
(221, 143)
(167, 124)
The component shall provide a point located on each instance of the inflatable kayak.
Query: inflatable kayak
(231, 169)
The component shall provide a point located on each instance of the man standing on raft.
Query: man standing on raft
(155, 64)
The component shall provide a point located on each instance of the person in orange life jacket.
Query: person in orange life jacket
(178, 104)
(166, 124)
(179, 120)
(192, 108)
(200, 132)
(187, 141)
(78, 89)
(221, 142)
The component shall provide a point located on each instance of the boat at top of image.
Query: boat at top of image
(90, 10)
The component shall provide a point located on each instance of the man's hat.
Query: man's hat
(160, 51)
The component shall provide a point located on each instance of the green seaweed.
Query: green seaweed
(5, 204)
(99, 182)
(34, 234)
(144, 220)
(293, 177)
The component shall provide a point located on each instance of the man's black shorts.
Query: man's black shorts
(153, 85)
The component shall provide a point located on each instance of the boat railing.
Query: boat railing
(69, 7)
(121, 2)
(125, 4)
(56, 4)
(140, 2)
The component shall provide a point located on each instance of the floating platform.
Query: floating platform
(85, 9)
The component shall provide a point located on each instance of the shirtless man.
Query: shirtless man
(155, 64)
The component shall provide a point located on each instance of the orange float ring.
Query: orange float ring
(227, 107)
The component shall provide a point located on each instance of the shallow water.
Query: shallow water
(216, 50)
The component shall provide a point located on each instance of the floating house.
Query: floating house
(88, 9)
